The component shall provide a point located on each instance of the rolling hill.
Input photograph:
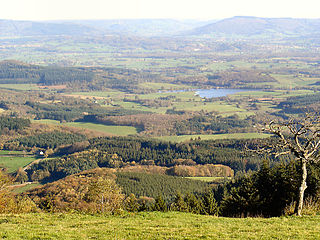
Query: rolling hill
(239, 26)
(255, 26)
(11, 28)
(142, 27)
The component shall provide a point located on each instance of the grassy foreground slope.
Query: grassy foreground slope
(155, 225)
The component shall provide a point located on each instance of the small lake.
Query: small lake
(211, 93)
(218, 92)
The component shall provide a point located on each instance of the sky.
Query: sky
(174, 9)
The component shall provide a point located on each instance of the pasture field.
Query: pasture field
(242, 64)
(6, 152)
(22, 87)
(273, 93)
(137, 106)
(13, 163)
(184, 96)
(112, 130)
(292, 81)
(24, 187)
(165, 86)
(99, 94)
(210, 179)
(47, 121)
(155, 225)
(188, 96)
(183, 101)
(220, 107)
(286, 80)
(156, 63)
(183, 138)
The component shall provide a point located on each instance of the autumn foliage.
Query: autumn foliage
(93, 191)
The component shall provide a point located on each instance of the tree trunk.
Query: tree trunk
(302, 188)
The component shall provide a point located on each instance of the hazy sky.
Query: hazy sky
(178, 9)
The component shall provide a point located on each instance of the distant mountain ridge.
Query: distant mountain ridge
(253, 26)
(143, 27)
(139, 27)
(239, 26)
(29, 28)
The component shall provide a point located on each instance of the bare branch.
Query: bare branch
(282, 153)
(303, 140)
(315, 149)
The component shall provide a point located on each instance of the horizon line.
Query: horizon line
(146, 18)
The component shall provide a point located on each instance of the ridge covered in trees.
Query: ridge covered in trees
(90, 78)
(114, 152)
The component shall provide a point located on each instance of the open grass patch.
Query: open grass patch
(287, 80)
(47, 121)
(182, 95)
(25, 187)
(22, 87)
(99, 94)
(113, 130)
(210, 179)
(155, 225)
(6, 152)
(13, 163)
(137, 106)
(183, 138)
(165, 86)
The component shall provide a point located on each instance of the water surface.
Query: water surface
(218, 92)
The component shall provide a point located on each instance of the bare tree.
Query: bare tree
(302, 139)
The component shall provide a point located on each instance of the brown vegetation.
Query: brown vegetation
(89, 191)
(11, 204)
(53, 86)
(207, 170)
(151, 124)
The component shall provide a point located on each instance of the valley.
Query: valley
(109, 122)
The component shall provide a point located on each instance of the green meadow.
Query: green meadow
(13, 163)
(112, 130)
(183, 138)
(165, 86)
(22, 87)
(187, 101)
(24, 188)
(155, 225)
(210, 179)
(6, 152)
(105, 94)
